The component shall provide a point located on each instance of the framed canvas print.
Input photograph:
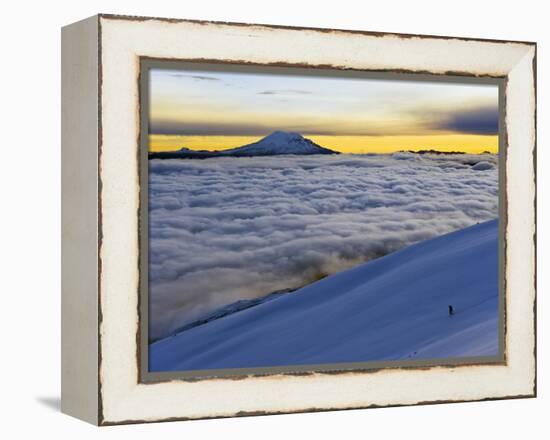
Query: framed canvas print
(264, 219)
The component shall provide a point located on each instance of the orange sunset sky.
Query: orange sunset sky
(215, 110)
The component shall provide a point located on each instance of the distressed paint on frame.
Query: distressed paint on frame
(238, 413)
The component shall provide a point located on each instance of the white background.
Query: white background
(30, 220)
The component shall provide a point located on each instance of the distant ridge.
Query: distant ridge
(431, 152)
(440, 152)
(275, 144)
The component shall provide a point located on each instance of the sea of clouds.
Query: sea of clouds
(225, 229)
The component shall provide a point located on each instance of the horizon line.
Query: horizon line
(350, 144)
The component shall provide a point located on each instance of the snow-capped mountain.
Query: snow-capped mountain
(277, 143)
(392, 308)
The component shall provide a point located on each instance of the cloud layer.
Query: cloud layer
(226, 229)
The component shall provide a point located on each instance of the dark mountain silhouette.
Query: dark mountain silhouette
(275, 144)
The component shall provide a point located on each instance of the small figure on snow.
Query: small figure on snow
(451, 310)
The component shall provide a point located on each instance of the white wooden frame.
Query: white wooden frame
(101, 194)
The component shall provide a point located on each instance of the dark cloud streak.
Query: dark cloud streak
(481, 121)
(197, 77)
(208, 129)
(257, 129)
(284, 92)
(477, 121)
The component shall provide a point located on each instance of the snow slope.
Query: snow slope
(275, 144)
(395, 307)
(232, 308)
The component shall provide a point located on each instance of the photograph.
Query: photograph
(311, 217)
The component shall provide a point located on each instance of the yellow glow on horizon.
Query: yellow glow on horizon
(164, 142)
(468, 143)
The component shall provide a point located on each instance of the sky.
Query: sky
(215, 110)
